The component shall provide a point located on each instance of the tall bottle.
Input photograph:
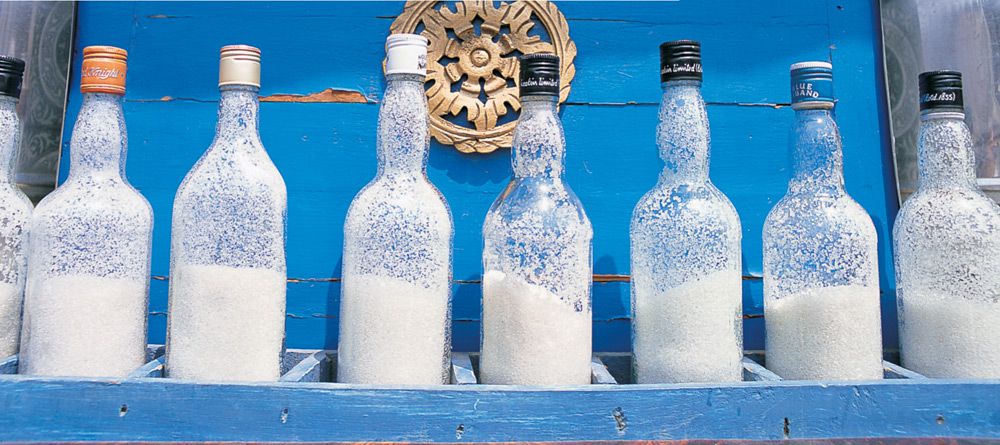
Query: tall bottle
(227, 250)
(537, 253)
(89, 250)
(821, 294)
(15, 208)
(685, 235)
(947, 245)
(395, 321)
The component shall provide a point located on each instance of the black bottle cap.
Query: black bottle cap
(680, 60)
(941, 91)
(11, 75)
(539, 75)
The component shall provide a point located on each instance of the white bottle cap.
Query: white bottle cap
(406, 54)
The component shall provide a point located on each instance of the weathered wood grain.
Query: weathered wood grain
(162, 409)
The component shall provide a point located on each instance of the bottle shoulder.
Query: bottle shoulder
(222, 173)
(527, 203)
(837, 212)
(948, 212)
(383, 199)
(82, 199)
(695, 199)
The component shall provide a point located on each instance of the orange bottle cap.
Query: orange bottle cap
(103, 70)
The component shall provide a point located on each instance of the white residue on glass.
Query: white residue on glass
(395, 322)
(227, 255)
(16, 210)
(89, 257)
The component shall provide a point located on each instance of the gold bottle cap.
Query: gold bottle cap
(239, 65)
(103, 70)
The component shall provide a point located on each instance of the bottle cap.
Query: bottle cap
(680, 60)
(11, 76)
(103, 70)
(406, 54)
(239, 65)
(812, 85)
(539, 75)
(941, 91)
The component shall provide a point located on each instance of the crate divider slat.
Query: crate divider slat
(462, 372)
(754, 372)
(894, 371)
(314, 367)
(599, 374)
(9, 365)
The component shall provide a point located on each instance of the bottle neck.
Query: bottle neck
(10, 128)
(945, 154)
(98, 144)
(403, 142)
(539, 144)
(816, 153)
(683, 133)
(238, 117)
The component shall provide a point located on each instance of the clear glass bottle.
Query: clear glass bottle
(85, 305)
(395, 320)
(227, 251)
(947, 246)
(537, 253)
(15, 208)
(821, 293)
(687, 322)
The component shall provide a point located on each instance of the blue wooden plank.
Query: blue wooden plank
(754, 372)
(894, 371)
(38, 409)
(599, 374)
(9, 365)
(314, 367)
(461, 369)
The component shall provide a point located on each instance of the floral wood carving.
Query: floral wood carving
(466, 66)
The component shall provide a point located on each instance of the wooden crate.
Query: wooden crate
(305, 406)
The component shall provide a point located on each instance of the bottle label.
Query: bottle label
(680, 71)
(100, 74)
(943, 100)
(814, 90)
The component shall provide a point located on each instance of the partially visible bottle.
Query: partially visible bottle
(821, 294)
(395, 321)
(227, 250)
(15, 208)
(687, 308)
(947, 244)
(537, 253)
(85, 306)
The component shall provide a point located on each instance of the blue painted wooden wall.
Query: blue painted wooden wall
(326, 150)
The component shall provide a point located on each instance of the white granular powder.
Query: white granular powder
(225, 323)
(84, 326)
(531, 336)
(950, 336)
(392, 332)
(827, 333)
(690, 333)
(10, 319)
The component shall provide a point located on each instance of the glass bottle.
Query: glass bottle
(537, 253)
(395, 321)
(947, 245)
(87, 294)
(821, 294)
(685, 235)
(227, 251)
(15, 207)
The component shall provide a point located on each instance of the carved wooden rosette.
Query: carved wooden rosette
(482, 64)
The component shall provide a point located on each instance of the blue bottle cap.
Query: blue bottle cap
(812, 85)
